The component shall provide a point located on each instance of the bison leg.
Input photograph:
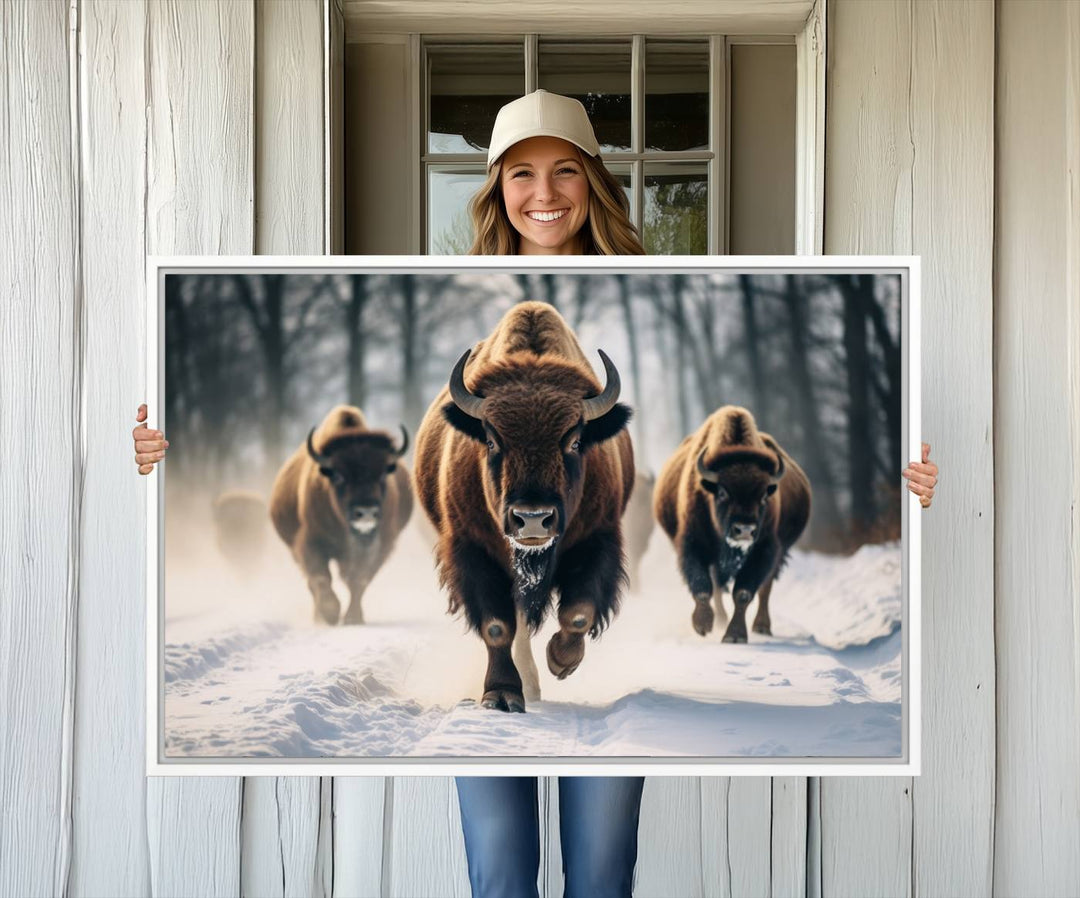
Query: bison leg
(719, 585)
(566, 648)
(524, 661)
(485, 589)
(762, 621)
(316, 566)
(355, 614)
(358, 584)
(757, 568)
(693, 561)
(589, 578)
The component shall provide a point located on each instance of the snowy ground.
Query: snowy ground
(249, 674)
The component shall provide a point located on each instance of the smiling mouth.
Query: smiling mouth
(554, 215)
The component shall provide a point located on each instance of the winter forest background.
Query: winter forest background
(253, 361)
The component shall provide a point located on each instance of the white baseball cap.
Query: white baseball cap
(541, 114)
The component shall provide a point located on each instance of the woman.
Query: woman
(547, 193)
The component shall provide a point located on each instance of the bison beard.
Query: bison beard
(533, 571)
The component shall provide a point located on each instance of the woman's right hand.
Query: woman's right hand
(150, 444)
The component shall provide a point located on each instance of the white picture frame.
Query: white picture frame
(908, 763)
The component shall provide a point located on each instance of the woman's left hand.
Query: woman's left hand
(922, 477)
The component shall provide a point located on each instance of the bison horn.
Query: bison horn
(463, 399)
(705, 473)
(404, 441)
(779, 468)
(322, 460)
(598, 406)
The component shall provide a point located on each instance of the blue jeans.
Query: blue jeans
(598, 822)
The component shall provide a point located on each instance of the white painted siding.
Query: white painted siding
(40, 442)
(109, 813)
(909, 150)
(1037, 613)
(132, 127)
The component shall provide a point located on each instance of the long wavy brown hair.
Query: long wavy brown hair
(607, 231)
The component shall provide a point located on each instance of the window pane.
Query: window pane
(623, 175)
(597, 74)
(676, 209)
(449, 192)
(676, 95)
(466, 87)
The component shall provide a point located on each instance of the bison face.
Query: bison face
(357, 467)
(537, 420)
(740, 484)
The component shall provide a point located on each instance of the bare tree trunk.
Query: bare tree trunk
(891, 400)
(752, 340)
(274, 350)
(550, 293)
(267, 320)
(684, 352)
(410, 375)
(640, 449)
(826, 512)
(354, 323)
(857, 291)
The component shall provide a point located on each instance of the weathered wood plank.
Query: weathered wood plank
(41, 317)
(193, 828)
(736, 826)
(282, 815)
(869, 158)
(361, 813)
(1037, 450)
(289, 127)
(952, 130)
(426, 850)
(866, 837)
(670, 838)
(199, 200)
(280, 837)
(788, 846)
(110, 853)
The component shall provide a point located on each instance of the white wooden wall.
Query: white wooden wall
(200, 127)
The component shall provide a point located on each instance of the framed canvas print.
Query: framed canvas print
(578, 515)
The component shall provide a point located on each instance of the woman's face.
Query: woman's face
(546, 195)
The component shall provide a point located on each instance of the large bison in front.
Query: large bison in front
(524, 466)
(344, 495)
(733, 503)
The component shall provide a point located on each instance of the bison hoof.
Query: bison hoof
(503, 700)
(733, 635)
(703, 618)
(564, 654)
(763, 626)
(328, 610)
(354, 617)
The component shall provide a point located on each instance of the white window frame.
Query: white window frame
(809, 40)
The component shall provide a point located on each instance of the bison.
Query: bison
(638, 525)
(733, 503)
(240, 528)
(344, 494)
(524, 466)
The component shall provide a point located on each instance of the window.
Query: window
(659, 107)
